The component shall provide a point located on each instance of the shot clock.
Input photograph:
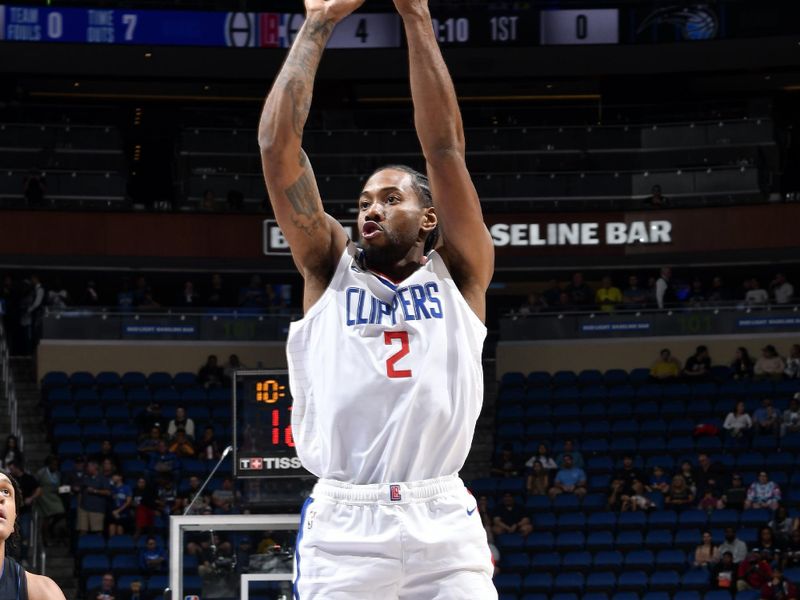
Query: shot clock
(263, 445)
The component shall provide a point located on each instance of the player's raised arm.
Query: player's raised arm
(314, 238)
(467, 245)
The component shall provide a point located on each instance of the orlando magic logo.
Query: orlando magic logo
(695, 22)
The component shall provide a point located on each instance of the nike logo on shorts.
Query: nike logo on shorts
(469, 512)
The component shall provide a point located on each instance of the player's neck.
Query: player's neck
(395, 270)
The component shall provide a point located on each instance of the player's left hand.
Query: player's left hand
(335, 10)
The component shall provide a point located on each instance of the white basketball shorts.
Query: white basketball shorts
(408, 541)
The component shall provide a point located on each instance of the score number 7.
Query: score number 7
(389, 338)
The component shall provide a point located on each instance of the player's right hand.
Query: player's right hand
(335, 10)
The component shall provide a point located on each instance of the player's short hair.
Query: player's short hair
(14, 542)
(422, 187)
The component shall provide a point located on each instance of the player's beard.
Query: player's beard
(385, 256)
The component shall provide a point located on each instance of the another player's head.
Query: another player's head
(395, 215)
(10, 505)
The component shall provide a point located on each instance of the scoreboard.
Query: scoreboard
(477, 27)
(263, 445)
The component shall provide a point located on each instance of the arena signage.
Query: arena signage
(613, 233)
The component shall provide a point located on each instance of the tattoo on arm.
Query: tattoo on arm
(304, 198)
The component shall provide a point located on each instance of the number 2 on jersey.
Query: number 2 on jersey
(389, 338)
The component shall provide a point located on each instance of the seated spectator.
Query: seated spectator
(666, 367)
(538, 482)
(718, 294)
(656, 199)
(754, 571)
(708, 501)
(623, 482)
(723, 573)
(734, 545)
(778, 588)
(532, 305)
(768, 545)
(162, 462)
(107, 453)
(766, 420)
(148, 301)
(510, 518)
(166, 495)
(659, 480)
(152, 559)
(782, 291)
(120, 518)
(706, 553)
(181, 421)
(738, 423)
(634, 297)
(150, 444)
(763, 493)
(225, 498)
(770, 365)
(202, 505)
(790, 422)
(680, 495)
(144, 506)
(207, 447)
(252, 296)
(181, 445)
(734, 496)
(543, 456)
(11, 452)
(608, 296)
(506, 464)
(781, 526)
(233, 365)
(697, 295)
(148, 418)
(217, 295)
(579, 292)
(687, 472)
(572, 452)
(135, 591)
(636, 500)
(791, 554)
(189, 298)
(569, 480)
(755, 295)
(107, 590)
(709, 474)
(211, 374)
(742, 364)
(792, 370)
(698, 366)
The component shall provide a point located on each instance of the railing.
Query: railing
(9, 391)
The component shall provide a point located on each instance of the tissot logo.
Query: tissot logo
(270, 463)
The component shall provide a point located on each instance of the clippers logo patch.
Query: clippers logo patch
(394, 493)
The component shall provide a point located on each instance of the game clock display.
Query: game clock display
(263, 445)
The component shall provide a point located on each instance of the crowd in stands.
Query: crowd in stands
(658, 292)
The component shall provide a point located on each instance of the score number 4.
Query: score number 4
(389, 338)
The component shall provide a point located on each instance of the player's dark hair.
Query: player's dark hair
(422, 187)
(14, 541)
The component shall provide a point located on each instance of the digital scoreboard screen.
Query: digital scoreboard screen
(263, 445)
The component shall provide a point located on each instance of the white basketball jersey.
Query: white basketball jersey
(386, 378)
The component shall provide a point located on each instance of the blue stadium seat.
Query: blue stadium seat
(564, 596)
(220, 396)
(197, 398)
(539, 431)
(570, 540)
(692, 519)
(81, 379)
(61, 395)
(724, 518)
(117, 413)
(717, 595)
(533, 596)
(566, 412)
(516, 562)
(90, 412)
(509, 541)
(632, 520)
(623, 445)
(663, 519)
(113, 395)
(505, 414)
(595, 445)
(184, 379)
(121, 432)
(537, 412)
(620, 410)
(599, 483)
(512, 379)
(664, 580)
(708, 444)
(671, 559)
(564, 378)
(625, 596)
(569, 582)
(108, 379)
(121, 544)
(566, 503)
(157, 583)
(686, 595)
(632, 581)
(538, 379)
(599, 540)
(657, 539)
(597, 427)
(595, 396)
(70, 449)
(755, 517)
(629, 540)
(650, 391)
(538, 503)
(687, 538)
(138, 397)
(608, 560)
(125, 564)
(545, 521)
(94, 564)
(538, 582)
(699, 408)
(85, 396)
(509, 431)
(624, 427)
(622, 393)
(133, 379)
(655, 595)
(55, 379)
(167, 396)
(695, 579)
(643, 560)
(593, 503)
(639, 376)
(599, 464)
(766, 443)
(680, 426)
(590, 377)
(63, 414)
(90, 543)
(652, 444)
(570, 429)
(548, 562)
(96, 431)
(484, 485)
(159, 379)
(749, 594)
(504, 596)
(615, 377)
(540, 541)
(650, 427)
(577, 561)
(67, 431)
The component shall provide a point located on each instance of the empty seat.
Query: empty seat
(600, 540)
(634, 581)
(664, 580)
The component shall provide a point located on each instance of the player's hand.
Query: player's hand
(334, 10)
(411, 7)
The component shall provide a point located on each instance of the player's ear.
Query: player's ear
(429, 219)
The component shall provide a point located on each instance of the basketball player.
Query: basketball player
(385, 366)
(15, 582)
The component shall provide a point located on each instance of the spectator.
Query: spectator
(572, 452)
(781, 525)
(90, 295)
(763, 493)
(706, 553)
(755, 295)
(709, 474)
(659, 480)
(623, 481)
(533, 304)
(698, 366)
(144, 505)
(770, 364)
(233, 365)
(718, 294)
(778, 588)
(148, 418)
(637, 500)
(107, 468)
(665, 295)
(608, 296)
(735, 495)
(738, 422)
(150, 444)
(782, 291)
(656, 200)
(31, 492)
(579, 292)
(33, 308)
(754, 571)
(95, 491)
(506, 464)
(120, 517)
(34, 189)
(208, 203)
(125, 296)
(543, 456)
(207, 447)
(538, 482)
(107, 453)
(723, 573)
(708, 502)
(181, 421)
(152, 559)
(569, 480)
(510, 518)
(697, 295)
(217, 296)
(211, 374)
(49, 503)
(680, 495)
(734, 545)
(57, 297)
(742, 364)
(766, 420)
(768, 545)
(792, 370)
(181, 446)
(634, 297)
(184, 498)
(188, 298)
(135, 591)
(253, 295)
(666, 367)
(791, 555)
(107, 590)
(790, 423)
(11, 452)
(140, 290)
(224, 499)
(166, 495)
(687, 472)
(564, 303)
(164, 463)
(148, 301)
